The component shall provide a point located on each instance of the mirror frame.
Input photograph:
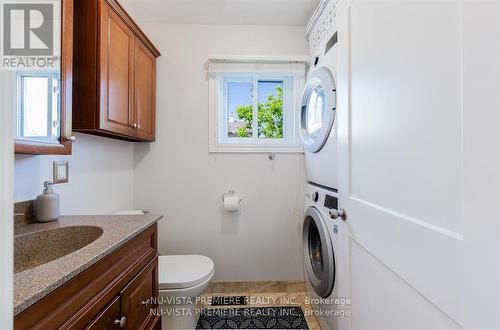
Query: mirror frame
(65, 141)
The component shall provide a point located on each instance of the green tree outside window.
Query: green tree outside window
(269, 117)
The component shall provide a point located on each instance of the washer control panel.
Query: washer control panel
(322, 198)
(331, 202)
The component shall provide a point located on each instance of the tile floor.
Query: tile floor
(263, 294)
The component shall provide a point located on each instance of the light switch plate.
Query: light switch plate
(60, 172)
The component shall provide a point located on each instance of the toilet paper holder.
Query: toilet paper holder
(230, 193)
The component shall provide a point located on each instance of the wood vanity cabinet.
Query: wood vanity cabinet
(106, 319)
(114, 73)
(117, 288)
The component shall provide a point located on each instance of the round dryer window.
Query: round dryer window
(318, 108)
(319, 257)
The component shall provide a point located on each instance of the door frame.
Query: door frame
(6, 203)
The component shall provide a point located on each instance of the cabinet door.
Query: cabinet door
(116, 67)
(144, 89)
(136, 300)
(106, 318)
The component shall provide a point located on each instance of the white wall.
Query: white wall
(100, 176)
(6, 208)
(179, 178)
(176, 176)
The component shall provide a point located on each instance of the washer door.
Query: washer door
(318, 253)
(318, 107)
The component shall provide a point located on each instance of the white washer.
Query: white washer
(324, 241)
(318, 125)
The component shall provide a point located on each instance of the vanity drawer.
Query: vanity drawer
(106, 319)
(136, 299)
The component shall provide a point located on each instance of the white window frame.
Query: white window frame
(222, 71)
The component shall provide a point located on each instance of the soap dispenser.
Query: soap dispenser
(47, 205)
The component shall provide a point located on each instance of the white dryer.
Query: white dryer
(318, 127)
(324, 242)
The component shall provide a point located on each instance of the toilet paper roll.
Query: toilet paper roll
(231, 203)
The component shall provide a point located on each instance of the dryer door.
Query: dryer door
(318, 107)
(318, 253)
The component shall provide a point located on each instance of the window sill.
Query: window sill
(256, 149)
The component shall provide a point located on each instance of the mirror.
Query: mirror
(37, 60)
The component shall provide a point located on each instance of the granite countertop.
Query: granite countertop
(33, 284)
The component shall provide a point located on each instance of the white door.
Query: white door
(419, 162)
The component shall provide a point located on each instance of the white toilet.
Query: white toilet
(182, 279)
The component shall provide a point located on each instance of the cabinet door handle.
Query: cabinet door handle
(121, 321)
(138, 126)
(69, 139)
(134, 125)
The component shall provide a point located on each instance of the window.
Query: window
(255, 107)
(252, 106)
(38, 105)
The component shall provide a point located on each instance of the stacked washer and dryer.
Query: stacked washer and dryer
(323, 230)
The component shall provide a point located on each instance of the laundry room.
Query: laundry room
(250, 164)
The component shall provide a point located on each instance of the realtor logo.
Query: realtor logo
(28, 35)
(28, 29)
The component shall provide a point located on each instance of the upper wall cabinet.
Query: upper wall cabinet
(114, 76)
(38, 71)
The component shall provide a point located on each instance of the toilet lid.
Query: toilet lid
(183, 271)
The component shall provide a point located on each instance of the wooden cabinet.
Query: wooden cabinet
(132, 308)
(114, 76)
(108, 317)
(117, 74)
(117, 288)
(136, 299)
(145, 92)
(36, 145)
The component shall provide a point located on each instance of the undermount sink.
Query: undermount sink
(35, 249)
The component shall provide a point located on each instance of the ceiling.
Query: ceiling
(231, 12)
